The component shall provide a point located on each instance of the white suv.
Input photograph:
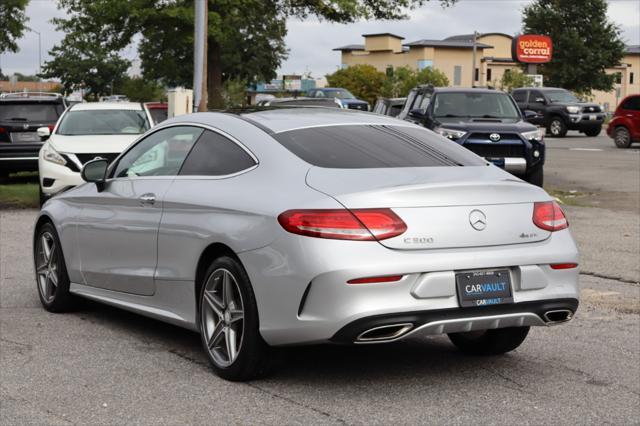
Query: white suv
(83, 132)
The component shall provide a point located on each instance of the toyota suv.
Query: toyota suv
(21, 114)
(487, 122)
(559, 110)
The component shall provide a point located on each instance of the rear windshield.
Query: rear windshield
(30, 112)
(104, 122)
(365, 146)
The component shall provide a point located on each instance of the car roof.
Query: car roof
(285, 119)
(89, 106)
(542, 89)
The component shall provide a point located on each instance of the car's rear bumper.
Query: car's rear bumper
(19, 157)
(302, 293)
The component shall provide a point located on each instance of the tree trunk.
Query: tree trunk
(214, 75)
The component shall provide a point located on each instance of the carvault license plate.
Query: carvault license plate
(484, 288)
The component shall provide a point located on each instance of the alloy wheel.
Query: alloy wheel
(47, 266)
(622, 137)
(222, 318)
(555, 127)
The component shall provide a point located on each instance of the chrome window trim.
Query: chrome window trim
(177, 176)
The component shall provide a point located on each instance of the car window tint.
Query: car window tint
(632, 104)
(365, 146)
(29, 112)
(520, 95)
(215, 155)
(534, 96)
(159, 154)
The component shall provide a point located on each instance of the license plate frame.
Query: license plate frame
(484, 288)
(25, 137)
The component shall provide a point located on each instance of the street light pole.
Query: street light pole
(200, 55)
(39, 55)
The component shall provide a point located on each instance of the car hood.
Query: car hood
(89, 144)
(489, 126)
(353, 101)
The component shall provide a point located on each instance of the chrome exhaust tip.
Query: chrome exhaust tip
(384, 333)
(558, 316)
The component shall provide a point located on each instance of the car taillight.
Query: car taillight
(563, 265)
(51, 126)
(2, 130)
(342, 224)
(549, 216)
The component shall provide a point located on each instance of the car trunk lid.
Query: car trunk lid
(443, 207)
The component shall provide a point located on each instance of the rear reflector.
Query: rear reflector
(371, 280)
(564, 265)
(342, 224)
(549, 216)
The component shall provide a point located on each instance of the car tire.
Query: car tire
(228, 322)
(557, 128)
(621, 137)
(489, 342)
(595, 131)
(52, 279)
(535, 176)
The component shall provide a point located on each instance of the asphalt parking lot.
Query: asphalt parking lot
(104, 366)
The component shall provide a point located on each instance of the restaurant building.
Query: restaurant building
(454, 57)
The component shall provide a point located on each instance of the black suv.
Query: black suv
(559, 110)
(487, 122)
(21, 114)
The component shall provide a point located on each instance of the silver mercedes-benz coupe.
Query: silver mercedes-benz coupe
(297, 226)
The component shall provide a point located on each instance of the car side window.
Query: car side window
(520, 96)
(159, 154)
(536, 97)
(319, 94)
(632, 104)
(216, 155)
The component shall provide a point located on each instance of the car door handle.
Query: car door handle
(148, 199)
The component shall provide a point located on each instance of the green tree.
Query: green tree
(402, 79)
(585, 42)
(512, 79)
(84, 60)
(246, 37)
(12, 23)
(138, 89)
(364, 81)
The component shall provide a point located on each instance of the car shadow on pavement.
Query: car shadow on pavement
(316, 364)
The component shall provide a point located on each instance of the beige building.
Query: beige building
(454, 57)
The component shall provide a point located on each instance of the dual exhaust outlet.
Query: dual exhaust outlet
(389, 332)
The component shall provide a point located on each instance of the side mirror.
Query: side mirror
(95, 171)
(417, 113)
(528, 114)
(43, 133)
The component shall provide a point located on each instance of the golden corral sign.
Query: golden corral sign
(531, 49)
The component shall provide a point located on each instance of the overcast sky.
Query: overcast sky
(310, 42)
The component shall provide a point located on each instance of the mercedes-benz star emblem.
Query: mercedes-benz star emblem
(495, 137)
(478, 220)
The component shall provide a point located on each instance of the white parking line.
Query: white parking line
(585, 149)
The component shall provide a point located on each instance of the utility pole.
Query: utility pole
(39, 55)
(473, 61)
(200, 55)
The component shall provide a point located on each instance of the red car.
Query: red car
(624, 127)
